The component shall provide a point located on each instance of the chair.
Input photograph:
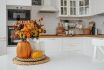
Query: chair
(98, 43)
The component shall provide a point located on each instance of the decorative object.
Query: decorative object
(24, 49)
(60, 29)
(22, 62)
(25, 30)
(92, 26)
(86, 31)
(79, 27)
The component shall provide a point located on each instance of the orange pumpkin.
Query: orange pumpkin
(24, 49)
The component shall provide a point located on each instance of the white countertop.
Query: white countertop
(63, 61)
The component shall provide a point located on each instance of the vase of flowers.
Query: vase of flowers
(28, 29)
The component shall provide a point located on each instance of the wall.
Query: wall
(50, 19)
(97, 6)
(2, 27)
(99, 19)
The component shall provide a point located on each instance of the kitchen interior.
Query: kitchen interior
(77, 22)
(67, 22)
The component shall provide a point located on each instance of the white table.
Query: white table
(63, 61)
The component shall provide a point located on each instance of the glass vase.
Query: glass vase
(37, 45)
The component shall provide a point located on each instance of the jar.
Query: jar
(37, 44)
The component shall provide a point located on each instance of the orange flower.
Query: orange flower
(27, 33)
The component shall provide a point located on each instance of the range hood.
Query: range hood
(47, 7)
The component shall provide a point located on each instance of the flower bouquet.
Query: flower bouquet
(28, 29)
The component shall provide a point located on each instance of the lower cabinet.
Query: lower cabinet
(73, 44)
(52, 45)
(68, 44)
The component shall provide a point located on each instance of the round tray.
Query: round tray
(30, 59)
(16, 61)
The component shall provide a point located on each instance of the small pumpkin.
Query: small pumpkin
(23, 49)
(36, 54)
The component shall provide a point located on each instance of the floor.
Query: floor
(65, 61)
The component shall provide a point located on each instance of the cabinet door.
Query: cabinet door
(72, 44)
(73, 7)
(87, 46)
(63, 8)
(19, 2)
(52, 45)
(83, 7)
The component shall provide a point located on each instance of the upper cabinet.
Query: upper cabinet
(83, 7)
(63, 8)
(19, 2)
(74, 8)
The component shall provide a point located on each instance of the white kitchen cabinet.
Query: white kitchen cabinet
(87, 46)
(73, 44)
(63, 8)
(52, 45)
(74, 8)
(83, 7)
(80, 45)
(19, 2)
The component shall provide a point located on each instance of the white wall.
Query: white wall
(3, 27)
(99, 19)
(50, 19)
(97, 6)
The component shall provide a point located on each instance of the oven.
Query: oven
(10, 40)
